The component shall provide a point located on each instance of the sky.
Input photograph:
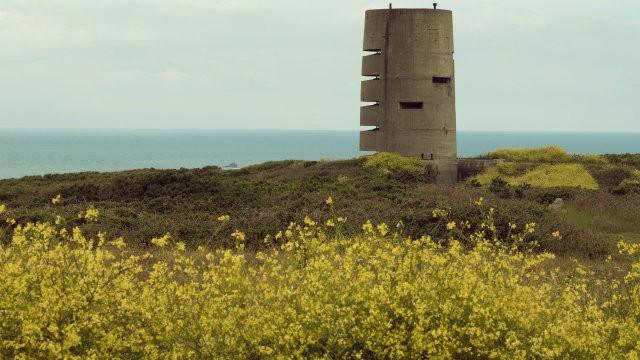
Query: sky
(570, 65)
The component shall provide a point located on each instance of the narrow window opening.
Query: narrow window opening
(411, 105)
(441, 80)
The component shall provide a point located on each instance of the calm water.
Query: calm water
(30, 152)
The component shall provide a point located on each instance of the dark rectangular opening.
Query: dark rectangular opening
(411, 105)
(441, 80)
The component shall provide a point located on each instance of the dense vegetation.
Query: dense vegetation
(313, 293)
(262, 199)
(273, 260)
(553, 166)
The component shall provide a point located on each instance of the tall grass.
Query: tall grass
(605, 212)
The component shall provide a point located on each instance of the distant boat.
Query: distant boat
(232, 166)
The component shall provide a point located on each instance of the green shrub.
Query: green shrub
(396, 166)
(545, 176)
(627, 186)
(571, 175)
(610, 176)
(548, 195)
(591, 159)
(552, 153)
(487, 176)
(624, 159)
(507, 168)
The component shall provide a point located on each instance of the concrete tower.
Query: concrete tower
(413, 86)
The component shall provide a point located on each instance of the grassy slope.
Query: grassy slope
(265, 198)
(603, 217)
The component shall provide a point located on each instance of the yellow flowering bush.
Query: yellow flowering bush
(389, 164)
(543, 176)
(313, 294)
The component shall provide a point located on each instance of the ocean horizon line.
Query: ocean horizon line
(301, 130)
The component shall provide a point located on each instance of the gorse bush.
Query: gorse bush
(592, 171)
(396, 166)
(569, 175)
(541, 176)
(552, 153)
(314, 294)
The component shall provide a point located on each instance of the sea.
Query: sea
(40, 152)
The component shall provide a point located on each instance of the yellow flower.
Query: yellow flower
(180, 246)
(368, 227)
(224, 218)
(265, 350)
(119, 243)
(91, 214)
(383, 229)
(556, 235)
(3, 208)
(238, 235)
(530, 228)
(479, 201)
(329, 201)
(330, 223)
(161, 241)
(56, 199)
(451, 225)
(439, 213)
(309, 221)
(341, 219)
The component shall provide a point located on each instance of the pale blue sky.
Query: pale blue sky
(295, 64)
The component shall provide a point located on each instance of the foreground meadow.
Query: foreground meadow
(314, 294)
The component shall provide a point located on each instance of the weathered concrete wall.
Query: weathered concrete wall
(447, 170)
(472, 167)
(413, 85)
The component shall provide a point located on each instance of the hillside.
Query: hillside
(264, 199)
